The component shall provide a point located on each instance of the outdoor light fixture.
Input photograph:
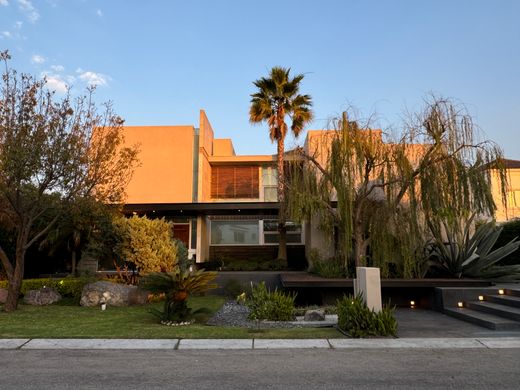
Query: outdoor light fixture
(412, 304)
(460, 304)
(481, 297)
(500, 292)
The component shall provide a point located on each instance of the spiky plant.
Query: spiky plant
(472, 255)
(177, 286)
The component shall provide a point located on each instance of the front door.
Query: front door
(181, 231)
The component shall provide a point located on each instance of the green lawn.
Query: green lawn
(57, 321)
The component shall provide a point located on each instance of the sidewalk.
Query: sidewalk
(248, 344)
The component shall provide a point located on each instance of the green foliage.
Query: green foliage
(148, 243)
(331, 268)
(270, 305)
(67, 287)
(473, 256)
(387, 190)
(510, 230)
(177, 286)
(357, 320)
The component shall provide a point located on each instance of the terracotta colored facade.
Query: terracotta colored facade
(224, 205)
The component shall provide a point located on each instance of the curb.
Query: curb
(258, 344)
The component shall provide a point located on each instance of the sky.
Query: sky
(161, 61)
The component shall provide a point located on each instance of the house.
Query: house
(222, 205)
(512, 210)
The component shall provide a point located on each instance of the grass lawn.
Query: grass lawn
(57, 321)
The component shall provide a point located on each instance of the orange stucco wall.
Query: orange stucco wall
(223, 147)
(165, 174)
(513, 196)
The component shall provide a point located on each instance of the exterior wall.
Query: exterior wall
(165, 174)
(513, 196)
(206, 137)
(223, 147)
(315, 238)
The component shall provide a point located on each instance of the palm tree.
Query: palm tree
(276, 98)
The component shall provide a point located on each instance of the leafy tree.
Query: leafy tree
(148, 243)
(390, 193)
(52, 152)
(276, 98)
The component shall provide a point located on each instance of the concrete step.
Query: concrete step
(512, 292)
(508, 300)
(497, 309)
(486, 320)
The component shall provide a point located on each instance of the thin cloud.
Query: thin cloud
(37, 59)
(99, 13)
(93, 78)
(6, 34)
(18, 25)
(58, 68)
(28, 9)
(55, 83)
(4, 3)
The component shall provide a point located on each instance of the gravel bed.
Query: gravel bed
(235, 315)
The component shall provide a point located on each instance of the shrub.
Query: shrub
(70, 288)
(177, 286)
(329, 269)
(510, 230)
(148, 243)
(357, 320)
(474, 255)
(273, 306)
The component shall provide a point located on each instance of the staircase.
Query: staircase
(494, 308)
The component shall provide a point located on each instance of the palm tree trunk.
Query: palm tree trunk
(282, 231)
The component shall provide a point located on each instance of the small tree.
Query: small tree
(52, 152)
(277, 97)
(389, 194)
(147, 243)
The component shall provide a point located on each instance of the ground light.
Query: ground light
(412, 304)
(481, 297)
(501, 292)
(460, 304)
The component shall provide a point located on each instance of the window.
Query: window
(232, 182)
(269, 182)
(270, 231)
(234, 232)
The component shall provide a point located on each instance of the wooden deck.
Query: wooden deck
(306, 280)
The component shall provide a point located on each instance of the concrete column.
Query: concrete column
(368, 282)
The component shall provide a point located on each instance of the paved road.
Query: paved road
(261, 369)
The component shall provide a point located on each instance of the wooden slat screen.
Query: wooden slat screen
(232, 182)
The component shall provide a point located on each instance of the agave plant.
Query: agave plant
(473, 255)
(177, 286)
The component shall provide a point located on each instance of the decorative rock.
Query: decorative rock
(43, 296)
(113, 294)
(3, 295)
(314, 315)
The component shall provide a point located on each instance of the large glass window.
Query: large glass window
(234, 232)
(294, 232)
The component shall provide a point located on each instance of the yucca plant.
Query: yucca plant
(472, 255)
(177, 286)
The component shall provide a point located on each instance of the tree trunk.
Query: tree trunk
(15, 283)
(74, 261)
(282, 231)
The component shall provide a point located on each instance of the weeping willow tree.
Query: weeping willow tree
(381, 200)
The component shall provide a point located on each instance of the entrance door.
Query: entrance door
(181, 231)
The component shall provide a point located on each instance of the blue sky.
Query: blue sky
(162, 61)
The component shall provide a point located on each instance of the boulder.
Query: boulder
(3, 295)
(113, 294)
(43, 296)
(314, 315)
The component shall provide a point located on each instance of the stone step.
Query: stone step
(508, 300)
(512, 292)
(497, 309)
(482, 319)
